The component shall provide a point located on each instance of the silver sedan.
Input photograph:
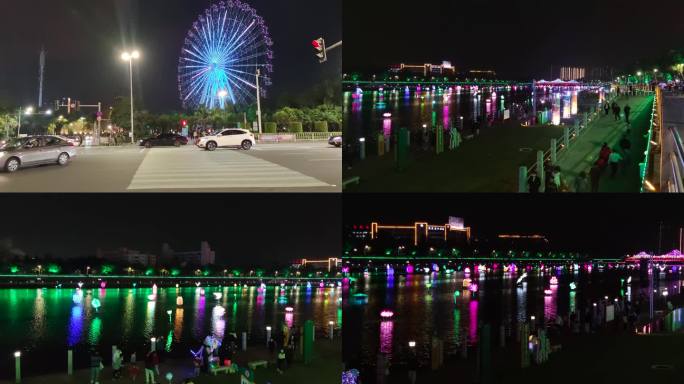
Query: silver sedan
(35, 150)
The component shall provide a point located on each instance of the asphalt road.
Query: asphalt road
(291, 167)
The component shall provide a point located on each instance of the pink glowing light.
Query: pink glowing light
(289, 309)
(386, 314)
(409, 268)
(554, 280)
(103, 284)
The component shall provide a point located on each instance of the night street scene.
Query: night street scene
(165, 298)
(512, 289)
(513, 96)
(170, 96)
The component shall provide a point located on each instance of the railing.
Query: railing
(656, 116)
(562, 144)
(301, 136)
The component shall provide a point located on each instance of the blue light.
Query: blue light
(221, 55)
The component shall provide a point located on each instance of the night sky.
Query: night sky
(244, 230)
(606, 225)
(84, 40)
(519, 39)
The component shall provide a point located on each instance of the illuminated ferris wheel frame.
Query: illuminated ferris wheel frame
(226, 58)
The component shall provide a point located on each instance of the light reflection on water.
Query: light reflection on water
(428, 305)
(42, 323)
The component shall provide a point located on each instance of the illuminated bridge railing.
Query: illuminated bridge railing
(676, 162)
(646, 167)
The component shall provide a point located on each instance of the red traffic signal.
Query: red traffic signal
(319, 47)
(184, 123)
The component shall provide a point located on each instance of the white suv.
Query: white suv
(232, 137)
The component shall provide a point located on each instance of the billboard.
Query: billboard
(456, 222)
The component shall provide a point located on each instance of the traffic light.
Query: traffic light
(319, 48)
(184, 123)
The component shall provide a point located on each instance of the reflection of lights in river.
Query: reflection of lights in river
(95, 331)
(218, 323)
(75, 326)
(472, 324)
(178, 324)
(386, 335)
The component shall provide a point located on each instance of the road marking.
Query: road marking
(221, 169)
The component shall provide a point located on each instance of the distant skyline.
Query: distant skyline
(602, 225)
(242, 229)
(84, 40)
(519, 39)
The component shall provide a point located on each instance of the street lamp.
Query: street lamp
(130, 57)
(258, 91)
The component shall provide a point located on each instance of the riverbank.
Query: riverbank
(486, 163)
(325, 368)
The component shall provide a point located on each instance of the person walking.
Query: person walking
(117, 360)
(606, 108)
(581, 184)
(95, 366)
(604, 153)
(595, 178)
(281, 361)
(627, 109)
(614, 160)
(616, 111)
(151, 367)
(533, 183)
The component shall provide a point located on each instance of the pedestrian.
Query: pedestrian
(595, 177)
(117, 360)
(151, 367)
(281, 361)
(614, 160)
(95, 366)
(616, 111)
(605, 151)
(197, 365)
(533, 183)
(627, 109)
(606, 108)
(581, 184)
(626, 147)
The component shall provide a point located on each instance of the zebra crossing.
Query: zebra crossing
(170, 168)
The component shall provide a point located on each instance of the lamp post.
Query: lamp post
(130, 57)
(258, 91)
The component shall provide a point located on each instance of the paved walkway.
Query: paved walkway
(583, 153)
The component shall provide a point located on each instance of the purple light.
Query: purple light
(103, 284)
(386, 313)
(409, 268)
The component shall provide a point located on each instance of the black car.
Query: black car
(164, 140)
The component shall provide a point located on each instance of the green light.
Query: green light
(14, 269)
(54, 268)
(149, 271)
(107, 269)
(175, 272)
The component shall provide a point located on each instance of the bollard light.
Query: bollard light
(268, 328)
(17, 354)
(532, 318)
(412, 344)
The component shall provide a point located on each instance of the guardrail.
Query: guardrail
(557, 146)
(656, 119)
(296, 136)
